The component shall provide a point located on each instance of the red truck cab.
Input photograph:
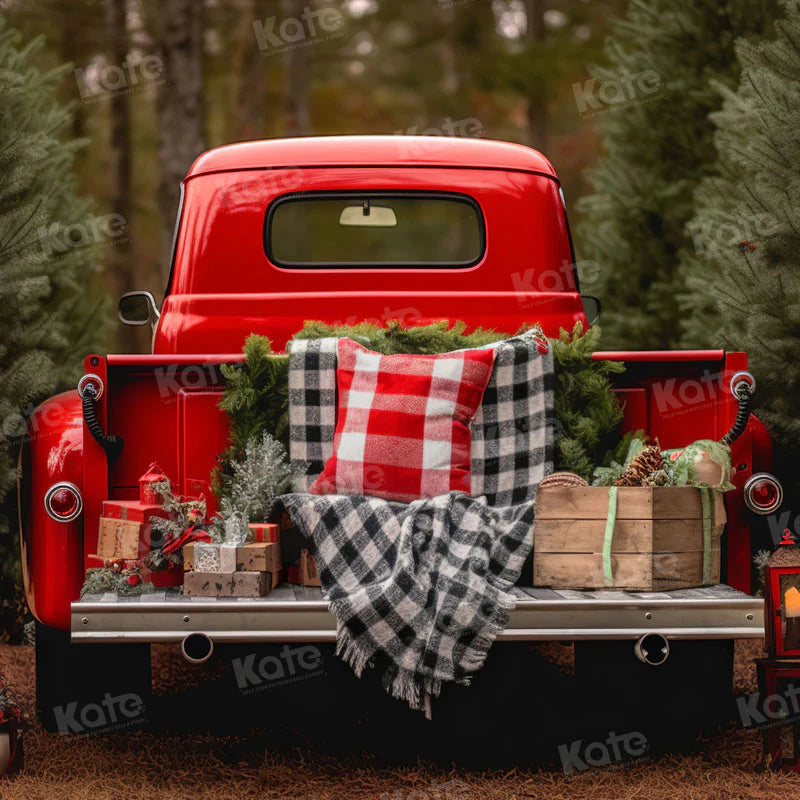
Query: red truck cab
(226, 283)
(271, 234)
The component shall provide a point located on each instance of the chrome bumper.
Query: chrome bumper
(293, 614)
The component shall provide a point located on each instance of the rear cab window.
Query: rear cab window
(324, 230)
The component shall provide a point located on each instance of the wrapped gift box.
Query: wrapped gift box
(227, 584)
(309, 576)
(268, 533)
(254, 557)
(135, 536)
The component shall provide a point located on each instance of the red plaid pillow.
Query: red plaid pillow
(402, 427)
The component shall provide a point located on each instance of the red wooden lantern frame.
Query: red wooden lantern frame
(785, 561)
(770, 673)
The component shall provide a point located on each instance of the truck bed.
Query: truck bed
(296, 614)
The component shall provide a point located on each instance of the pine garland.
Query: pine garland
(256, 400)
(587, 412)
(438, 337)
(100, 580)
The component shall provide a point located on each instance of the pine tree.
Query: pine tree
(747, 275)
(652, 103)
(44, 279)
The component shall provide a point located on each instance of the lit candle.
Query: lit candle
(791, 602)
(791, 611)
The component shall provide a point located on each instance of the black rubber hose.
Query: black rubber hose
(742, 416)
(111, 444)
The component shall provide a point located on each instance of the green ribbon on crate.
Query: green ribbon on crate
(611, 519)
(608, 536)
(705, 501)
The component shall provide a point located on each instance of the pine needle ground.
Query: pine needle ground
(208, 767)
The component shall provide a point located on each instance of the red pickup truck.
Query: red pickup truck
(484, 238)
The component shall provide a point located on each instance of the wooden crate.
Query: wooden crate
(657, 544)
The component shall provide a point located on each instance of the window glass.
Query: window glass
(374, 229)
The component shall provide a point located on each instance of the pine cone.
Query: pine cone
(641, 467)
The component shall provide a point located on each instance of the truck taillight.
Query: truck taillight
(763, 493)
(63, 501)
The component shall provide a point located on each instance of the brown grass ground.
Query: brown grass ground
(203, 767)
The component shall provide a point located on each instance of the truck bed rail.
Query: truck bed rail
(296, 614)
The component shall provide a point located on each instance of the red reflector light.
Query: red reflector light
(63, 502)
(763, 493)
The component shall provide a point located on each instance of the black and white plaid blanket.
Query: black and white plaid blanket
(512, 432)
(312, 404)
(425, 585)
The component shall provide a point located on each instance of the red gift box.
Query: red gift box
(264, 532)
(268, 533)
(134, 511)
(163, 578)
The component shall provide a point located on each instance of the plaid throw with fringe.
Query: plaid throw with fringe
(425, 585)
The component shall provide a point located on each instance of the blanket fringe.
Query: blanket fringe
(417, 691)
(351, 651)
(401, 684)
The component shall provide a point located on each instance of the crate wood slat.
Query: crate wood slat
(630, 536)
(657, 543)
(633, 502)
(632, 571)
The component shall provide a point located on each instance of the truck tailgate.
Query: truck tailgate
(295, 614)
